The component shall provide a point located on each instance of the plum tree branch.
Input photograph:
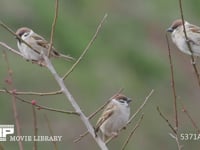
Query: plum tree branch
(73, 102)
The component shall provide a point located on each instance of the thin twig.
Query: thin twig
(32, 93)
(188, 44)
(7, 28)
(81, 136)
(14, 103)
(35, 127)
(175, 131)
(9, 70)
(191, 119)
(180, 147)
(17, 123)
(51, 131)
(53, 27)
(132, 132)
(173, 83)
(86, 49)
(11, 49)
(184, 30)
(44, 107)
(141, 106)
(167, 121)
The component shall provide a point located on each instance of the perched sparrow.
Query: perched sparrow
(178, 37)
(114, 117)
(38, 43)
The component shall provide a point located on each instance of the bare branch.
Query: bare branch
(180, 147)
(172, 128)
(14, 105)
(86, 49)
(7, 28)
(35, 127)
(173, 83)
(53, 27)
(71, 99)
(11, 49)
(66, 92)
(81, 136)
(17, 123)
(188, 44)
(141, 106)
(191, 119)
(132, 132)
(32, 93)
(167, 121)
(43, 107)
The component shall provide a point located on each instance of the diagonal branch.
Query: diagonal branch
(188, 44)
(175, 135)
(11, 49)
(86, 49)
(141, 106)
(191, 119)
(167, 121)
(73, 102)
(132, 132)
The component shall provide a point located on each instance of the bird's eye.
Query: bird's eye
(121, 101)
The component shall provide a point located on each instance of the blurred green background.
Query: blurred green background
(130, 52)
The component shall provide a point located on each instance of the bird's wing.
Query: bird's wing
(40, 41)
(105, 115)
(194, 34)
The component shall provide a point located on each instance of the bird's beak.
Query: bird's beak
(170, 30)
(129, 100)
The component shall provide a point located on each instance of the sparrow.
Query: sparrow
(178, 37)
(38, 44)
(114, 117)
